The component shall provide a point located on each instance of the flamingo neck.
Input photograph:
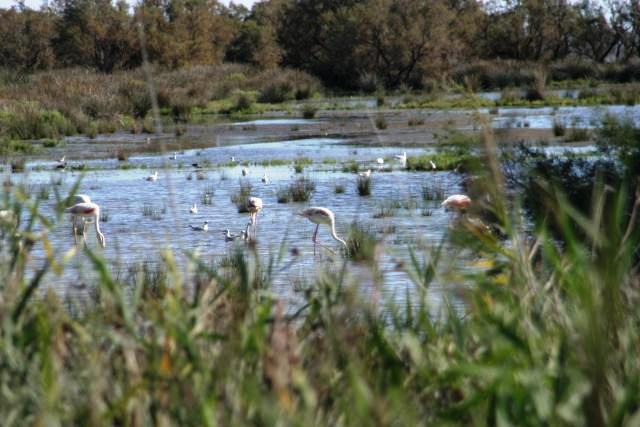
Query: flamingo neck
(335, 235)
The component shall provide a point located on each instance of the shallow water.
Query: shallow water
(134, 238)
(570, 117)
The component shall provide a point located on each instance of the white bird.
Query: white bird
(319, 215)
(62, 159)
(402, 157)
(254, 205)
(78, 198)
(433, 165)
(459, 202)
(365, 174)
(193, 209)
(245, 171)
(148, 140)
(233, 159)
(380, 161)
(204, 227)
(229, 237)
(174, 156)
(265, 178)
(153, 177)
(88, 211)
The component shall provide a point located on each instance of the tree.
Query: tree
(26, 39)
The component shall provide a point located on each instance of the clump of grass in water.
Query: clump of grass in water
(301, 189)
(283, 195)
(361, 243)
(385, 210)
(201, 176)
(104, 215)
(381, 123)
(300, 163)
(240, 197)
(558, 128)
(338, 189)
(207, 196)
(363, 185)
(153, 212)
(350, 167)
(432, 192)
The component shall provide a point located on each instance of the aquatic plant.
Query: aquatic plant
(283, 195)
(381, 123)
(301, 189)
(309, 111)
(239, 198)
(363, 185)
(338, 188)
(361, 243)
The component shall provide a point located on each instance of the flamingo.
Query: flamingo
(153, 177)
(365, 174)
(459, 202)
(319, 215)
(193, 209)
(245, 171)
(88, 211)
(204, 227)
(254, 205)
(265, 178)
(78, 198)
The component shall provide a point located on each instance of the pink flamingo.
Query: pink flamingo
(459, 202)
(88, 211)
(319, 215)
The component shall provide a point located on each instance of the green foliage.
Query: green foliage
(301, 189)
(363, 185)
(309, 111)
(361, 243)
(241, 196)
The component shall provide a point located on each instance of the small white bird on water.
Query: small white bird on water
(229, 237)
(265, 178)
(203, 227)
(62, 159)
(174, 156)
(365, 174)
(153, 177)
(193, 209)
(319, 215)
(245, 171)
(402, 157)
(380, 161)
(433, 165)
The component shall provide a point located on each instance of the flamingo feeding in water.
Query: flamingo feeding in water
(459, 202)
(78, 198)
(88, 211)
(153, 177)
(193, 209)
(203, 227)
(319, 215)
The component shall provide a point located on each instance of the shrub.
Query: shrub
(361, 243)
(276, 93)
(381, 123)
(309, 111)
(301, 189)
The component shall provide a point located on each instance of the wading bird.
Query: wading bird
(402, 157)
(318, 215)
(193, 209)
(459, 202)
(245, 171)
(254, 206)
(153, 177)
(203, 227)
(88, 211)
(365, 174)
(78, 198)
(265, 178)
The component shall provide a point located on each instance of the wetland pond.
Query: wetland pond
(141, 218)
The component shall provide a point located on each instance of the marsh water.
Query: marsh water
(142, 218)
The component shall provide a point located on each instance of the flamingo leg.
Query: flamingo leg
(314, 238)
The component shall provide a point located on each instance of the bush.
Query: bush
(276, 93)
(309, 111)
(381, 123)
(361, 243)
(301, 189)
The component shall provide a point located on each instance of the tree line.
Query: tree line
(350, 44)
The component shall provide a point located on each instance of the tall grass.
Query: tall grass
(547, 334)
